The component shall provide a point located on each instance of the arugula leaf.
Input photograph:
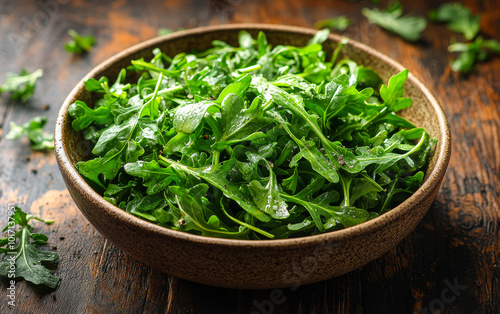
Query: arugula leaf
(308, 150)
(458, 18)
(156, 178)
(193, 208)
(252, 141)
(393, 92)
(93, 85)
(84, 116)
(267, 197)
(25, 256)
(291, 182)
(471, 53)
(21, 86)
(319, 37)
(216, 176)
(39, 140)
(165, 31)
(79, 44)
(339, 23)
(392, 19)
(400, 186)
(239, 124)
(188, 117)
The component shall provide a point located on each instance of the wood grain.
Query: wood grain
(456, 245)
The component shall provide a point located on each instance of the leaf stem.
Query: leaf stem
(216, 156)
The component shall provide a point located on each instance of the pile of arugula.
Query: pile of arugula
(252, 142)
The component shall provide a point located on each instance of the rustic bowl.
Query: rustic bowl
(250, 264)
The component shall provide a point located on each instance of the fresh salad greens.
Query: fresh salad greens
(21, 258)
(78, 43)
(338, 23)
(253, 141)
(39, 139)
(21, 86)
(471, 53)
(458, 18)
(408, 27)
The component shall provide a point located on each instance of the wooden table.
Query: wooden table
(451, 262)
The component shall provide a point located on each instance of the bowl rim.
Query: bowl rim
(432, 181)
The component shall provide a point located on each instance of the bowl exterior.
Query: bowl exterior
(252, 264)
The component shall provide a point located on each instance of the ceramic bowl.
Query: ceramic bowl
(250, 264)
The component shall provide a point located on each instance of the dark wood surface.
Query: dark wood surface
(450, 263)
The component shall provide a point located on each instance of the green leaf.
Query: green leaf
(25, 256)
(319, 161)
(21, 86)
(245, 40)
(407, 27)
(140, 65)
(239, 124)
(93, 85)
(471, 53)
(109, 165)
(193, 209)
(148, 207)
(164, 31)
(267, 197)
(405, 186)
(368, 78)
(339, 23)
(393, 92)
(291, 182)
(155, 178)
(278, 97)
(239, 87)
(79, 43)
(384, 158)
(84, 116)
(216, 176)
(39, 140)
(458, 18)
(246, 225)
(188, 117)
(115, 136)
(339, 93)
(320, 37)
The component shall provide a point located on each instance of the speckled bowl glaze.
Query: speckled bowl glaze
(251, 264)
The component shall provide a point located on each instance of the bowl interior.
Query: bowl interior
(425, 111)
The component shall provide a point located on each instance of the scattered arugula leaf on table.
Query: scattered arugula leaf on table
(458, 18)
(25, 256)
(408, 27)
(473, 52)
(21, 86)
(165, 31)
(79, 44)
(251, 141)
(339, 23)
(33, 128)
